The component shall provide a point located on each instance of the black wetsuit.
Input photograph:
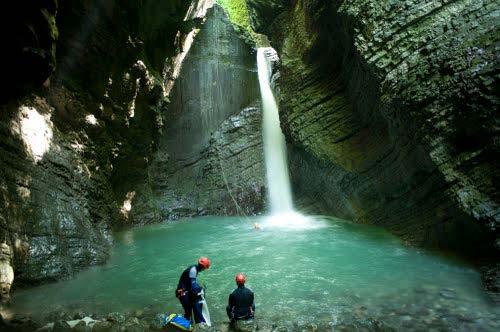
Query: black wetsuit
(187, 292)
(241, 304)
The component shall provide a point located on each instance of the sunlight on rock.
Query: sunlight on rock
(179, 59)
(6, 313)
(21, 249)
(149, 79)
(108, 87)
(83, 169)
(196, 10)
(77, 146)
(131, 108)
(36, 131)
(22, 187)
(127, 204)
(23, 192)
(91, 119)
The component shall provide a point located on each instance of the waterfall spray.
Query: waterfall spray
(278, 180)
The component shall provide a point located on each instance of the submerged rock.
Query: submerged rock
(19, 323)
(61, 326)
(133, 324)
(116, 317)
(101, 326)
(244, 326)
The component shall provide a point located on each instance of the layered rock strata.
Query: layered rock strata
(391, 109)
(74, 149)
(209, 158)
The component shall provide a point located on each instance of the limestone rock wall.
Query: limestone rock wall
(218, 80)
(46, 183)
(227, 178)
(73, 149)
(392, 111)
(118, 134)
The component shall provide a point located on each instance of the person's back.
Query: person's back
(241, 301)
(186, 279)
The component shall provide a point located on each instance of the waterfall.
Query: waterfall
(278, 180)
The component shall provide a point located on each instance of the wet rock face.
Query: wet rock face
(263, 12)
(48, 213)
(390, 109)
(217, 80)
(228, 178)
(209, 158)
(98, 39)
(67, 148)
(76, 154)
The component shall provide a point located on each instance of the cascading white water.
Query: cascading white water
(278, 180)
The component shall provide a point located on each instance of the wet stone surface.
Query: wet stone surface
(421, 311)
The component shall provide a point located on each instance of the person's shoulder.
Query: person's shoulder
(249, 289)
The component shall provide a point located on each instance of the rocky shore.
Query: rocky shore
(421, 309)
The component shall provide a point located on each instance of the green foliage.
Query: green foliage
(238, 14)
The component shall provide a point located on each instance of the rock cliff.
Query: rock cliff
(391, 108)
(205, 165)
(121, 113)
(88, 109)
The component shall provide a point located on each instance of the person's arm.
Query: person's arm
(252, 308)
(195, 287)
(230, 306)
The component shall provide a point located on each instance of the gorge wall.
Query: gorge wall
(204, 164)
(391, 108)
(116, 114)
(90, 116)
(61, 142)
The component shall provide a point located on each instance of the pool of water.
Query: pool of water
(326, 271)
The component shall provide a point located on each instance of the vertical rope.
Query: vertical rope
(239, 209)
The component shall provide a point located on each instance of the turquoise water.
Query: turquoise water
(322, 273)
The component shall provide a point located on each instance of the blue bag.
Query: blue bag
(176, 320)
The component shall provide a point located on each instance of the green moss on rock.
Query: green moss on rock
(238, 14)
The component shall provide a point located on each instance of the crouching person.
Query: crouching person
(241, 301)
(189, 292)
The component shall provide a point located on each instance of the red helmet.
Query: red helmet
(204, 262)
(240, 279)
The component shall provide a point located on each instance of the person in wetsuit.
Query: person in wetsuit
(241, 301)
(189, 291)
